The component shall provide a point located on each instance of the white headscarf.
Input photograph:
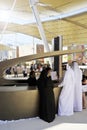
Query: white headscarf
(78, 87)
(76, 70)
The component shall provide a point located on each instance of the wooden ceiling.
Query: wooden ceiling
(73, 29)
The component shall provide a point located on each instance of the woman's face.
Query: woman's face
(33, 75)
(49, 73)
(86, 81)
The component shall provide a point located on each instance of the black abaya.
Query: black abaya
(47, 101)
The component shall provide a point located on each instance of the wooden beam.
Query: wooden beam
(8, 63)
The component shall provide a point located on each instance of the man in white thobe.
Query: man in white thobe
(66, 98)
(78, 87)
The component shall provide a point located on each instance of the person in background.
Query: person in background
(15, 71)
(47, 100)
(32, 67)
(85, 73)
(8, 71)
(84, 102)
(32, 79)
(66, 98)
(78, 87)
(25, 71)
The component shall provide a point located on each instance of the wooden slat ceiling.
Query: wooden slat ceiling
(4, 47)
(73, 29)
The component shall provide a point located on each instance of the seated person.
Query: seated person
(32, 79)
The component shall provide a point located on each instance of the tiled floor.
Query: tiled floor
(74, 122)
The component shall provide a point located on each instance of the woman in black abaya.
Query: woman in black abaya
(47, 101)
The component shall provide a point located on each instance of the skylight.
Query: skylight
(26, 18)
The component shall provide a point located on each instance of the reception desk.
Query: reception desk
(21, 104)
